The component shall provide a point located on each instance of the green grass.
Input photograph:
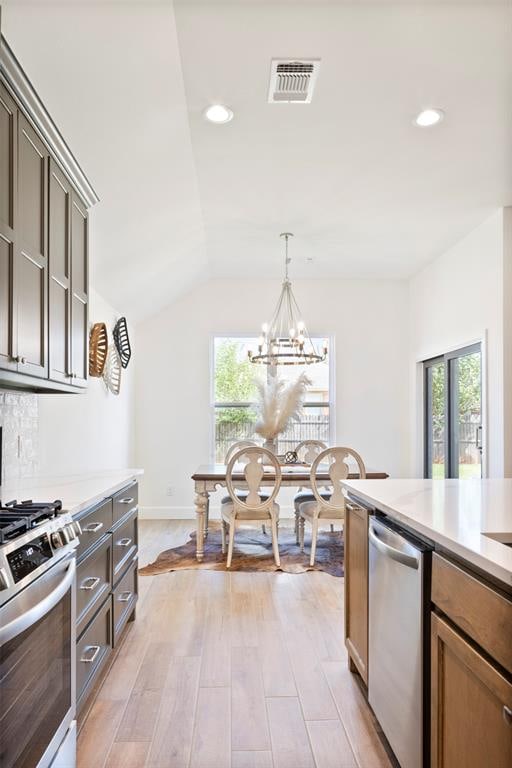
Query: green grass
(465, 471)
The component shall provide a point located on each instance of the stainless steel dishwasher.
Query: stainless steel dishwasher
(398, 677)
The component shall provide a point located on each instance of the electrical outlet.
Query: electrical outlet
(169, 490)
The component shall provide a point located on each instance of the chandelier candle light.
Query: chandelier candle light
(286, 340)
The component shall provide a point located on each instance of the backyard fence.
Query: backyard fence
(308, 428)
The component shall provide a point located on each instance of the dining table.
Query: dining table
(208, 478)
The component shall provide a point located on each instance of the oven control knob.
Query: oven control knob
(77, 527)
(57, 540)
(71, 531)
(4, 583)
(65, 535)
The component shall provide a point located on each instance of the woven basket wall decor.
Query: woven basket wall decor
(112, 372)
(122, 341)
(98, 349)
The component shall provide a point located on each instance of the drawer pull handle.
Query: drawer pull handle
(91, 582)
(93, 650)
(128, 500)
(124, 542)
(125, 597)
(93, 527)
(507, 714)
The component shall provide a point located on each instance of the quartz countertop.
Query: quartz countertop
(77, 492)
(453, 513)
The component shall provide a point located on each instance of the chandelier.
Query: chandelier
(285, 340)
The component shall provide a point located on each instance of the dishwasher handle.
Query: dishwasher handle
(392, 552)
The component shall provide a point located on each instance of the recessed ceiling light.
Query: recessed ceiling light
(429, 117)
(218, 113)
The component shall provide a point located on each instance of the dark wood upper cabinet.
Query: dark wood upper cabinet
(31, 252)
(59, 288)
(44, 275)
(8, 177)
(79, 292)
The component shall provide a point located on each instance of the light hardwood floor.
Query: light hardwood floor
(231, 670)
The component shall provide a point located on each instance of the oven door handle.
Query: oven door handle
(34, 614)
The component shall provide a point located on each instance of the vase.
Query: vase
(271, 445)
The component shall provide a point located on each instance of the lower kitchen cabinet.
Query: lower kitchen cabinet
(107, 586)
(356, 588)
(93, 581)
(93, 649)
(124, 599)
(471, 722)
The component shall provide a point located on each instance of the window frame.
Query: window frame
(330, 404)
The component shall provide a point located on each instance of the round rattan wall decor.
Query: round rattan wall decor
(122, 341)
(112, 372)
(98, 349)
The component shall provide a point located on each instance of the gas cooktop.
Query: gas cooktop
(18, 517)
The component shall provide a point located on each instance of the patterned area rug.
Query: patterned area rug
(253, 552)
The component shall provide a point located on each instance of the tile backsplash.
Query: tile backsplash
(19, 419)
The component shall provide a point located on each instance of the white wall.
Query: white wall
(93, 430)
(456, 300)
(368, 320)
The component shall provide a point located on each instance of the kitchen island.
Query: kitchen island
(431, 560)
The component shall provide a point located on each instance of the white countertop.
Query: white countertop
(77, 492)
(453, 513)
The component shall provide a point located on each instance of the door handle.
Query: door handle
(93, 583)
(124, 542)
(395, 554)
(124, 597)
(478, 438)
(89, 659)
(128, 500)
(93, 527)
(37, 611)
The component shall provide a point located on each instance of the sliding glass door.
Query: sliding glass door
(453, 414)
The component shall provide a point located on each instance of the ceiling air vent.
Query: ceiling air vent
(293, 81)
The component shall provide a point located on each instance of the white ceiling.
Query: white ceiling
(366, 193)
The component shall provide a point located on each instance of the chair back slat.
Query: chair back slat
(333, 461)
(250, 463)
(308, 450)
(236, 447)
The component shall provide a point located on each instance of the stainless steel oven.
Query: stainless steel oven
(37, 648)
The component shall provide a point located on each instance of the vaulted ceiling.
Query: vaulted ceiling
(367, 193)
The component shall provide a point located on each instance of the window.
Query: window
(235, 394)
(453, 414)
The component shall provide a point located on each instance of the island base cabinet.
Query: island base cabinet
(356, 588)
(471, 722)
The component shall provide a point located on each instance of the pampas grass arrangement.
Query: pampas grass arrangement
(279, 404)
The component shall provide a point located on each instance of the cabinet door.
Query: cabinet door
(79, 292)
(471, 705)
(31, 258)
(8, 171)
(59, 265)
(356, 588)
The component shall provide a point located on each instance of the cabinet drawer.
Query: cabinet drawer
(124, 544)
(94, 524)
(125, 500)
(92, 651)
(125, 597)
(485, 615)
(93, 581)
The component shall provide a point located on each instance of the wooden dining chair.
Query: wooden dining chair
(306, 451)
(235, 448)
(255, 507)
(332, 510)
